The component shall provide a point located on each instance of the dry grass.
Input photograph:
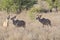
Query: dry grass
(33, 31)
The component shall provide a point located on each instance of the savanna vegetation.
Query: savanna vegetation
(18, 6)
(40, 19)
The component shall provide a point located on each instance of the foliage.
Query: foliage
(14, 5)
(33, 11)
(50, 3)
(57, 3)
(53, 4)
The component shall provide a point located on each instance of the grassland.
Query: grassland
(33, 30)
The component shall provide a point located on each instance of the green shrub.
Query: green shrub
(32, 12)
(14, 5)
(35, 9)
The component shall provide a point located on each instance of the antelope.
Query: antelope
(44, 21)
(18, 23)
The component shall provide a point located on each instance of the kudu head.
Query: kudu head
(13, 18)
(38, 16)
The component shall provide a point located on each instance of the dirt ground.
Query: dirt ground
(33, 30)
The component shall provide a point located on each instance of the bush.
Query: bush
(33, 11)
(14, 5)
